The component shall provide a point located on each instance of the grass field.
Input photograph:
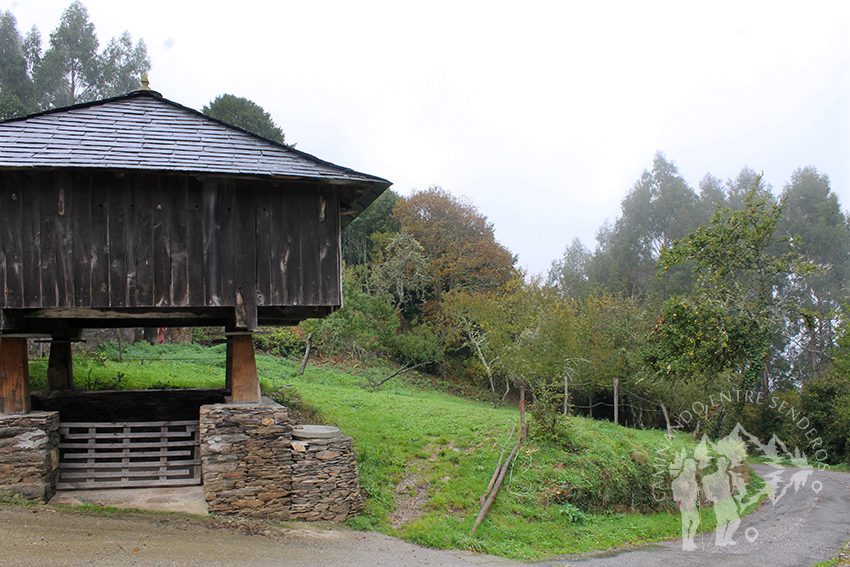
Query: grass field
(425, 456)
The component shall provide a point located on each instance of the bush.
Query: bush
(283, 341)
(825, 401)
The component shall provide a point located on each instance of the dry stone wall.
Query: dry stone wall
(324, 480)
(253, 466)
(29, 454)
(246, 462)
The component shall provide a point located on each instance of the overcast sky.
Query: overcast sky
(544, 114)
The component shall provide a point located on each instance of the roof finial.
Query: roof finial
(146, 85)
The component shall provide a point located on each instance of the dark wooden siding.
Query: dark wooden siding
(92, 239)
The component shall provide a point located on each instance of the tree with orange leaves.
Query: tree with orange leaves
(459, 241)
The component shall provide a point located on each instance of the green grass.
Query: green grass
(567, 493)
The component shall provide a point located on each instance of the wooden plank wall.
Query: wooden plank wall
(106, 240)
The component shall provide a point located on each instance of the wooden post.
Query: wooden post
(14, 376)
(242, 366)
(228, 367)
(60, 366)
(617, 401)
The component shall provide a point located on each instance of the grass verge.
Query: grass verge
(425, 456)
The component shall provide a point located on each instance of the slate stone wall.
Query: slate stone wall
(29, 454)
(324, 480)
(251, 466)
(246, 462)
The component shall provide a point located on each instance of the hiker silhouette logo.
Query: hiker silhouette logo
(713, 475)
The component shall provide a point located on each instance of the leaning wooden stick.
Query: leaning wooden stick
(523, 432)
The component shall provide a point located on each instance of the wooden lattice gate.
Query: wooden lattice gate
(128, 455)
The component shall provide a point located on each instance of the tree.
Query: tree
(569, 274)
(659, 208)
(732, 314)
(71, 70)
(245, 114)
(818, 230)
(17, 92)
(358, 244)
(482, 322)
(122, 65)
(458, 239)
(403, 273)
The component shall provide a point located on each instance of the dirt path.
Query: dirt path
(801, 529)
(41, 536)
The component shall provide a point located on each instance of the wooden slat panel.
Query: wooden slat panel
(189, 423)
(123, 484)
(81, 242)
(309, 205)
(142, 292)
(120, 454)
(292, 274)
(10, 243)
(178, 190)
(31, 240)
(228, 235)
(195, 246)
(118, 195)
(329, 252)
(127, 189)
(100, 240)
(278, 247)
(161, 243)
(182, 466)
(146, 454)
(125, 435)
(245, 257)
(139, 445)
(64, 256)
(263, 231)
(212, 243)
(48, 213)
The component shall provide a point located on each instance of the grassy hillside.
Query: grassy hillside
(425, 456)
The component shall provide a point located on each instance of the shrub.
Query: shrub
(283, 341)
(825, 401)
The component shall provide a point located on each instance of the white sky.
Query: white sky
(544, 114)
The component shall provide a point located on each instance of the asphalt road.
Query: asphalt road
(804, 527)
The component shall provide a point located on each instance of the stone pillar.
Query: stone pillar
(60, 366)
(246, 460)
(14, 376)
(29, 454)
(325, 486)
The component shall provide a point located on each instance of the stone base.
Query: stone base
(324, 480)
(246, 462)
(252, 466)
(29, 454)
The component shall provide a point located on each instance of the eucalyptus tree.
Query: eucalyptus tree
(660, 208)
(17, 91)
(70, 70)
(818, 230)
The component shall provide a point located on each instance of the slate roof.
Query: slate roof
(144, 131)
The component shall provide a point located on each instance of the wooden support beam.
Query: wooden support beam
(242, 368)
(228, 367)
(60, 366)
(14, 376)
